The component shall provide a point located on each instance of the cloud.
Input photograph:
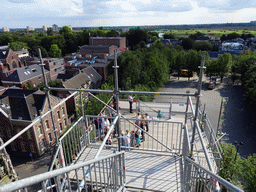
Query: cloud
(17, 9)
(164, 5)
(227, 5)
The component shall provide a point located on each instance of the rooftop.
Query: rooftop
(25, 73)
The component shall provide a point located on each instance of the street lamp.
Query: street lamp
(237, 147)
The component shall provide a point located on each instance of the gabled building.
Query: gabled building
(9, 61)
(79, 81)
(20, 77)
(54, 65)
(94, 77)
(19, 108)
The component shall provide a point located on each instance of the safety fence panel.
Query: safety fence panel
(156, 135)
(74, 141)
(102, 174)
(153, 135)
(200, 179)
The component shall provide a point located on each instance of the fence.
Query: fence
(198, 178)
(158, 135)
(167, 108)
(102, 174)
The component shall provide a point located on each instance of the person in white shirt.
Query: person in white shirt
(105, 124)
(130, 98)
(146, 122)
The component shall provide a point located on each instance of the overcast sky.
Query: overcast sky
(87, 13)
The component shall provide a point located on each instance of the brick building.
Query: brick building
(100, 51)
(54, 65)
(9, 61)
(20, 77)
(119, 42)
(18, 109)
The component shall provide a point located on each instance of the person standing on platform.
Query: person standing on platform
(130, 98)
(114, 101)
(159, 115)
(146, 122)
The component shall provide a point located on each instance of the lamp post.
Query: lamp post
(237, 147)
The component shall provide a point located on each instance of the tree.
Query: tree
(55, 51)
(231, 168)
(211, 68)
(196, 35)
(135, 36)
(224, 64)
(249, 173)
(223, 38)
(192, 62)
(188, 43)
(34, 51)
(169, 36)
(112, 33)
(65, 30)
(180, 62)
(18, 45)
(203, 46)
(49, 31)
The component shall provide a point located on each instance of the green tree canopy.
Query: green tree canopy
(203, 46)
(55, 51)
(188, 43)
(18, 45)
(224, 64)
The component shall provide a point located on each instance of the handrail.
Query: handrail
(227, 184)
(201, 137)
(123, 92)
(54, 157)
(44, 176)
(131, 122)
(64, 135)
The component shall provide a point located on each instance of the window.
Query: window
(65, 122)
(22, 146)
(58, 114)
(42, 144)
(61, 127)
(61, 96)
(39, 130)
(32, 148)
(47, 124)
(33, 70)
(63, 111)
(13, 146)
(14, 65)
(49, 137)
(29, 134)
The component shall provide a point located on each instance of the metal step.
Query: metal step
(135, 189)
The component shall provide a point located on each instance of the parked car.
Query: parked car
(212, 83)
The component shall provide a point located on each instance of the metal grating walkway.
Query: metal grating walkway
(155, 171)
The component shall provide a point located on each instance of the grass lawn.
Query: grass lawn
(216, 33)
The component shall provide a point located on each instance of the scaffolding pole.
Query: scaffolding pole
(197, 103)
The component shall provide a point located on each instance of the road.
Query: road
(240, 118)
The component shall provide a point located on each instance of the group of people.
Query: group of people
(128, 138)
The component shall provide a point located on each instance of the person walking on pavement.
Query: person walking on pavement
(130, 98)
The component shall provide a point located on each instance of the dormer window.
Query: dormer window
(33, 70)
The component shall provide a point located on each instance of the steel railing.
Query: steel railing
(164, 136)
(102, 174)
(198, 178)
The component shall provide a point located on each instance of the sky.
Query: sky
(95, 13)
